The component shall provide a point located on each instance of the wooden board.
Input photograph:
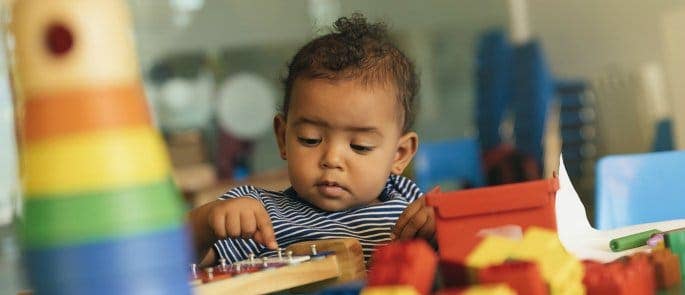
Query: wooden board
(348, 251)
(273, 280)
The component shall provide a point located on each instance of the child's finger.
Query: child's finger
(265, 229)
(406, 216)
(427, 231)
(413, 226)
(248, 224)
(233, 225)
(218, 224)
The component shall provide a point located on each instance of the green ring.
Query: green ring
(58, 220)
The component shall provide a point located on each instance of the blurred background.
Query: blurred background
(505, 87)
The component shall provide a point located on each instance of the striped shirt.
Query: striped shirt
(295, 220)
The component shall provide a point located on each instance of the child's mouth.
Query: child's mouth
(330, 189)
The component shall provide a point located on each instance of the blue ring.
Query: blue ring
(160, 257)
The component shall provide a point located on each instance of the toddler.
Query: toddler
(344, 130)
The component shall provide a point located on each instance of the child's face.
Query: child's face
(342, 140)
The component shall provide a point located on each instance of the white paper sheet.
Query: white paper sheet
(585, 242)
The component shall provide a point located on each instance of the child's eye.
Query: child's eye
(308, 141)
(361, 148)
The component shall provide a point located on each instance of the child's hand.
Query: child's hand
(242, 218)
(417, 221)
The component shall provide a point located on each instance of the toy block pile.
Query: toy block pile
(540, 263)
(480, 254)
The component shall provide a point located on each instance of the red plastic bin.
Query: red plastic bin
(461, 215)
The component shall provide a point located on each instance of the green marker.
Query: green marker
(631, 241)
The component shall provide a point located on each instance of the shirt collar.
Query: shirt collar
(387, 193)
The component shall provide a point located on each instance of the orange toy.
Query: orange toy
(461, 215)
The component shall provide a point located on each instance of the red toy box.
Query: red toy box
(461, 215)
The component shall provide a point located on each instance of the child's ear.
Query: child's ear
(406, 149)
(279, 131)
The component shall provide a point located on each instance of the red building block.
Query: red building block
(601, 279)
(632, 275)
(461, 215)
(522, 276)
(639, 274)
(404, 263)
(455, 274)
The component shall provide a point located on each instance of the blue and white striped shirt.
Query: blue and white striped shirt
(295, 220)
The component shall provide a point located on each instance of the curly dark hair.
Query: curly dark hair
(356, 49)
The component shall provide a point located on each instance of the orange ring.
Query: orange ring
(84, 110)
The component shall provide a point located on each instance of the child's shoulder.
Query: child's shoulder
(403, 186)
(250, 191)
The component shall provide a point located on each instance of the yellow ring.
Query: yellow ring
(94, 161)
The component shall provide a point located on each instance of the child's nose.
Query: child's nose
(332, 158)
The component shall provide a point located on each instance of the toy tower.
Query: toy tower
(102, 214)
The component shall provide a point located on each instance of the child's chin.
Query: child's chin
(332, 206)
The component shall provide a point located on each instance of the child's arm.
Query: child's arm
(241, 217)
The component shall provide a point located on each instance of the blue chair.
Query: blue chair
(640, 188)
(451, 164)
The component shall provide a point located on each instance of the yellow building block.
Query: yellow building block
(574, 289)
(390, 290)
(490, 289)
(491, 250)
(561, 270)
(537, 241)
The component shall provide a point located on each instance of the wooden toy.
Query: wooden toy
(404, 263)
(265, 277)
(348, 251)
(462, 215)
(313, 263)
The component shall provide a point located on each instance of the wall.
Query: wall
(589, 39)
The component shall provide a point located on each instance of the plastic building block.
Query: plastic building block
(492, 250)
(410, 263)
(462, 215)
(666, 268)
(488, 289)
(600, 279)
(675, 240)
(639, 273)
(630, 275)
(522, 276)
(561, 270)
(455, 274)
(390, 290)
